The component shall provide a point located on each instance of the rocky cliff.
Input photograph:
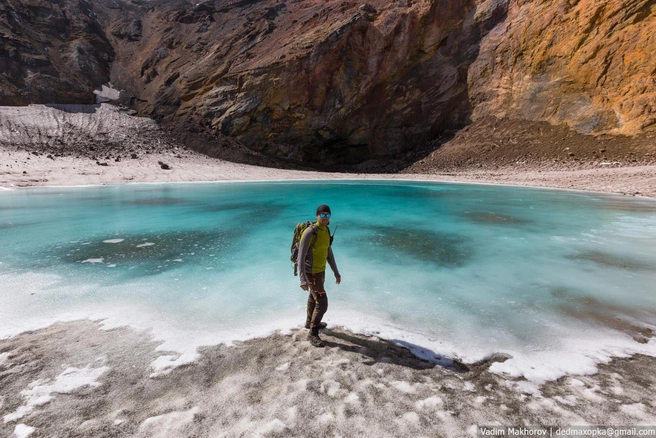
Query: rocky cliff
(51, 51)
(311, 81)
(344, 82)
(588, 64)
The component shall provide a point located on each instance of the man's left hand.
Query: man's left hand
(338, 279)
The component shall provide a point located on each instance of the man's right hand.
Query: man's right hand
(304, 286)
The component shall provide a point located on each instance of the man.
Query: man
(313, 253)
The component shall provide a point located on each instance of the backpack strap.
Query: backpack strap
(315, 231)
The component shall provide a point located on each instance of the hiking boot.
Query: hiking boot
(315, 340)
(322, 325)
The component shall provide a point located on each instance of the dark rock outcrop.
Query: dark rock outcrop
(51, 51)
(311, 81)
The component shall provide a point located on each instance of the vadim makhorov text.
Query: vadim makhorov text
(567, 431)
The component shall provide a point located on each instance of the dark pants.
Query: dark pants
(317, 301)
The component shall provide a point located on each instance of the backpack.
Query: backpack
(296, 241)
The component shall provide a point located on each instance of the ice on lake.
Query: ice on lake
(555, 280)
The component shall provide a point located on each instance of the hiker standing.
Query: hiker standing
(313, 253)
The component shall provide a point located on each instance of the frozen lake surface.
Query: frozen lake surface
(555, 280)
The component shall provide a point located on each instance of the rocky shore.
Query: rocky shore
(76, 379)
(100, 144)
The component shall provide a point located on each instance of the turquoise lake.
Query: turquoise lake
(556, 280)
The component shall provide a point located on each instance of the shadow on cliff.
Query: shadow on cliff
(75, 108)
(216, 145)
(401, 131)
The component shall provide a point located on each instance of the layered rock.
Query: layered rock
(588, 64)
(341, 82)
(52, 51)
(311, 81)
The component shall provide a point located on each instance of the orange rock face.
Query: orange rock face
(589, 64)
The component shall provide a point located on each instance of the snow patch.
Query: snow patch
(326, 418)
(591, 394)
(635, 410)
(276, 426)
(99, 260)
(283, 367)
(113, 240)
(107, 93)
(404, 387)
(411, 417)
(330, 387)
(429, 403)
(576, 382)
(71, 379)
(165, 364)
(23, 431)
(617, 390)
(527, 387)
(568, 401)
(171, 425)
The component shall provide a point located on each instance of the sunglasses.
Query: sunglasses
(324, 215)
